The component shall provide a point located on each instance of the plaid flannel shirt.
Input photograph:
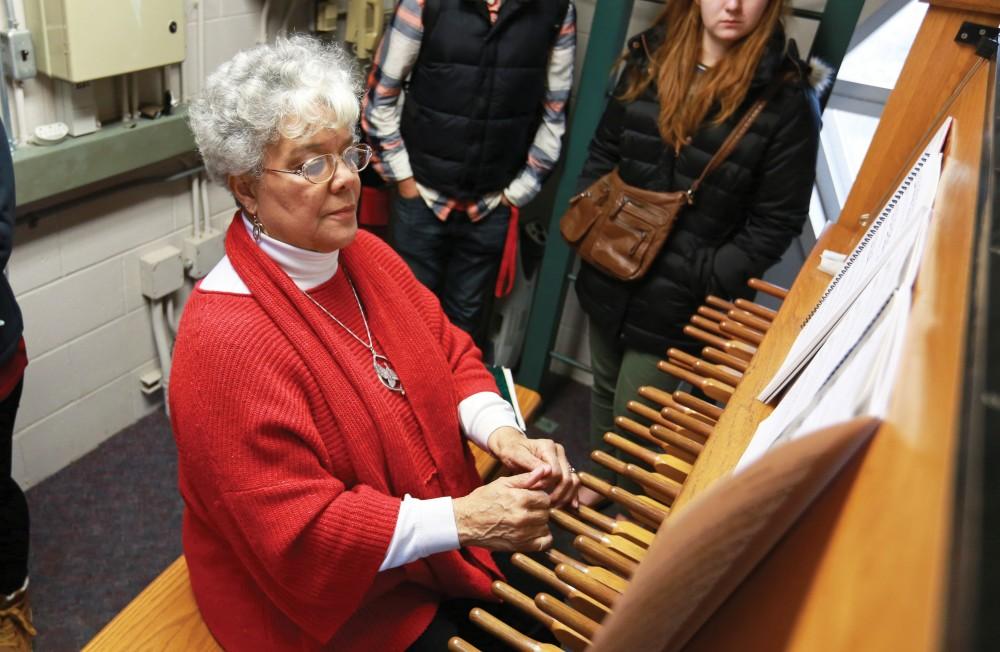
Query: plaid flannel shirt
(382, 113)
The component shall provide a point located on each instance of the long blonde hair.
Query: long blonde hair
(686, 96)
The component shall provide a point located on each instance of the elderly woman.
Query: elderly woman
(319, 395)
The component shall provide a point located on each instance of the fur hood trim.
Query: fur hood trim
(820, 75)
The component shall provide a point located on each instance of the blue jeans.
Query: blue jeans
(456, 259)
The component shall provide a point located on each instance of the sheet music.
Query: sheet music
(870, 255)
(853, 367)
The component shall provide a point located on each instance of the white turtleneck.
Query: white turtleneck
(423, 527)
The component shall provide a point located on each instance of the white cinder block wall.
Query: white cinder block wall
(76, 274)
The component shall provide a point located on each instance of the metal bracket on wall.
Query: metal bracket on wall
(981, 37)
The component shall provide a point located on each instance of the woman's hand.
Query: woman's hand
(519, 453)
(508, 514)
(407, 188)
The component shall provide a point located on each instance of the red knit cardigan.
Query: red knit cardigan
(293, 457)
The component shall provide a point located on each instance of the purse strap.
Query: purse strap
(735, 136)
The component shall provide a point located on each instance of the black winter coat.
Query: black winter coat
(747, 211)
(10, 314)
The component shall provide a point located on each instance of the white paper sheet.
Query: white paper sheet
(851, 369)
(877, 248)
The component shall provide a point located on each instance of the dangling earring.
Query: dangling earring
(257, 227)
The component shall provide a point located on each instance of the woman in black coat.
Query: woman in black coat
(687, 81)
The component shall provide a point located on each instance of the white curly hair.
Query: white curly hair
(292, 88)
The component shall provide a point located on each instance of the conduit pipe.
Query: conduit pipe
(163, 345)
(22, 120)
(292, 5)
(262, 32)
(172, 320)
(201, 43)
(134, 97)
(206, 214)
(126, 113)
(196, 205)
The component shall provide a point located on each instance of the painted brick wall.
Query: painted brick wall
(76, 275)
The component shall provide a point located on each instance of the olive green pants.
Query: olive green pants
(619, 372)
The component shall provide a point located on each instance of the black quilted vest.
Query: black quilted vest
(475, 97)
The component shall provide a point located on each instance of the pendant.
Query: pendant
(386, 374)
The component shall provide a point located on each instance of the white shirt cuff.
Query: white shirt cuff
(423, 528)
(398, 164)
(482, 413)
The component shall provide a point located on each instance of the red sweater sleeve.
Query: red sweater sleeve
(244, 412)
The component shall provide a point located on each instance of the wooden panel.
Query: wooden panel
(866, 567)
(987, 6)
(935, 66)
(163, 618)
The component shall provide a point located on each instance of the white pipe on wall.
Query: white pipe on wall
(196, 205)
(22, 117)
(11, 15)
(201, 43)
(134, 99)
(162, 340)
(262, 32)
(206, 213)
(172, 322)
(288, 16)
(126, 113)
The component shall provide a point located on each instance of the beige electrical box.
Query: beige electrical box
(81, 40)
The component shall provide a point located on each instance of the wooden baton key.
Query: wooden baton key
(600, 554)
(712, 411)
(562, 612)
(576, 598)
(614, 542)
(660, 462)
(768, 288)
(756, 308)
(641, 510)
(600, 574)
(508, 634)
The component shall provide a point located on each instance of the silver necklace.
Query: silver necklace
(386, 374)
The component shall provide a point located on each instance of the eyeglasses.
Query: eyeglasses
(321, 169)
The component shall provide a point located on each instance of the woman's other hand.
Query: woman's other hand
(508, 514)
(520, 453)
(407, 188)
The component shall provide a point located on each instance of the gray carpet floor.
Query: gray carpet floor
(107, 525)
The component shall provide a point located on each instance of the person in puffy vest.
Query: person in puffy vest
(486, 84)
(687, 82)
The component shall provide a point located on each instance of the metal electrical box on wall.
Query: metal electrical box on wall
(82, 40)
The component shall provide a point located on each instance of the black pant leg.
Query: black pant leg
(14, 522)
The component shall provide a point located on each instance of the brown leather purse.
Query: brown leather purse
(619, 228)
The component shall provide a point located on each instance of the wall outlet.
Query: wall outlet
(161, 272)
(18, 54)
(203, 252)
